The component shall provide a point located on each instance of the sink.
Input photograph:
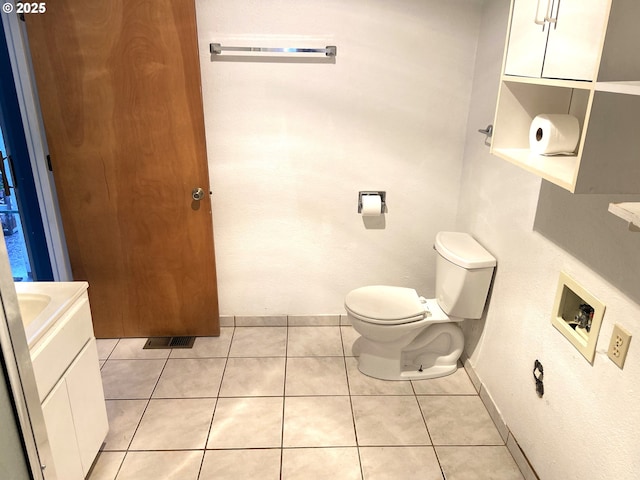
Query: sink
(43, 303)
(31, 305)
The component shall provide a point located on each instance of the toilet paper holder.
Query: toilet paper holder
(382, 195)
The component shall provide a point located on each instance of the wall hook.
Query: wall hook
(488, 132)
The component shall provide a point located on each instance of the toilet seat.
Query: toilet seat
(386, 305)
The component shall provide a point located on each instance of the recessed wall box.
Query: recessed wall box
(577, 314)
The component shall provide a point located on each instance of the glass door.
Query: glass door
(22, 222)
(11, 224)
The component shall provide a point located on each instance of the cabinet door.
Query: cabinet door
(527, 39)
(61, 433)
(575, 39)
(86, 398)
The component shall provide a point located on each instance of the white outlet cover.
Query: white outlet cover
(619, 345)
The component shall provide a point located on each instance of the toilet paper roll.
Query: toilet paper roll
(371, 205)
(553, 134)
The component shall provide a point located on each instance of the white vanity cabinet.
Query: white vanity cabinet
(75, 416)
(556, 39)
(62, 436)
(67, 371)
(592, 71)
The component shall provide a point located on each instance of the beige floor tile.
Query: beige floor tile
(161, 465)
(259, 342)
(105, 347)
(263, 464)
(106, 466)
(478, 463)
(190, 378)
(349, 336)
(389, 420)
(394, 463)
(253, 377)
(361, 384)
(130, 379)
(252, 422)
(320, 464)
(318, 422)
(314, 341)
(459, 420)
(131, 348)
(316, 376)
(206, 347)
(174, 424)
(124, 417)
(458, 383)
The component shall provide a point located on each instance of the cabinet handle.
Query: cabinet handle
(539, 19)
(548, 17)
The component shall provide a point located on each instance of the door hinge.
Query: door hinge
(49, 163)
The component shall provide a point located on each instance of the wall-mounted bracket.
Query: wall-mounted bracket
(381, 193)
(577, 314)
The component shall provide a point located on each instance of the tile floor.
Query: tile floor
(286, 403)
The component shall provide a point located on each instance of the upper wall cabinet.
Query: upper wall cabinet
(574, 57)
(556, 39)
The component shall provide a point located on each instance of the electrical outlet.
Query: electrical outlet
(619, 345)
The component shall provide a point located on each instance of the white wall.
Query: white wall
(290, 145)
(585, 426)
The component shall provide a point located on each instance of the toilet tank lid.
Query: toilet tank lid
(463, 250)
(383, 302)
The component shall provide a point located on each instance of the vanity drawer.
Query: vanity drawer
(54, 352)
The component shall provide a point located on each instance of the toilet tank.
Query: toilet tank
(464, 270)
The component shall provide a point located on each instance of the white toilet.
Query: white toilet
(408, 337)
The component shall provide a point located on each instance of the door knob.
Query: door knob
(197, 194)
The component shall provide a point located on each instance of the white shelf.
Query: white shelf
(550, 82)
(627, 88)
(535, 80)
(558, 169)
(629, 211)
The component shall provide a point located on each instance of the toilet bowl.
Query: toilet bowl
(404, 336)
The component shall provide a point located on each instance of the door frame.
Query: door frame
(21, 382)
(52, 243)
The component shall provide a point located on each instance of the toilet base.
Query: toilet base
(433, 353)
(413, 372)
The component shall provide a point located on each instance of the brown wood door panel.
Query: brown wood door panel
(119, 86)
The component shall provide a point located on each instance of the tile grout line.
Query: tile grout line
(426, 425)
(100, 451)
(215, 407)
(143, 412)
(284, 395)
(353, 416)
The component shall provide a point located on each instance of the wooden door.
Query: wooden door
(119, 86)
